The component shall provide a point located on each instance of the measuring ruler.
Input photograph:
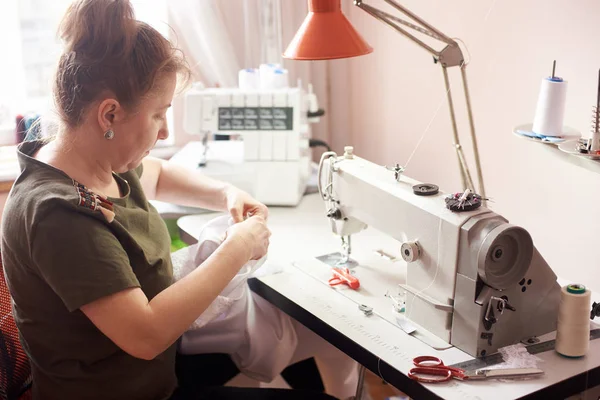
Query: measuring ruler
(494, 359)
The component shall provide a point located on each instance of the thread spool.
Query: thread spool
(280, 78)
(550, 109)
(266, 72)
(248, 79)
(573, 327)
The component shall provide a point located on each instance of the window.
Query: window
(26, 79)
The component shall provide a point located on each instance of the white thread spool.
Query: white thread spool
(280, 78)
(573, 328)
(266, 72)
(248, 79)
(550, 110)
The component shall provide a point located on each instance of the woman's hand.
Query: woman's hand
(252, 234)
(241, 205)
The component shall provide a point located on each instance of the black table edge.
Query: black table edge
(560, 390)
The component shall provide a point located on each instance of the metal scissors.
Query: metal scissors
(429, 369)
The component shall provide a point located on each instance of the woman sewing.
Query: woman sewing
(87, 258)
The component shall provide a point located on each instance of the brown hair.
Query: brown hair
(106, 50)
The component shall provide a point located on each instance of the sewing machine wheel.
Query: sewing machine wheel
(504, 256)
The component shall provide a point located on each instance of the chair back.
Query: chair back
(15, 370)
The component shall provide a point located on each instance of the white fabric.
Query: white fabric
(261, 339)
(235, 293)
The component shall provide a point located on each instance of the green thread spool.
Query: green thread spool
(576, 288)
(573, 321)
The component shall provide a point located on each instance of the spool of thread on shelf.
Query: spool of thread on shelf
(550, 109)
(573, 327)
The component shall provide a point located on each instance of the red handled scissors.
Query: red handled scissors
(429, 369)
(343, 275)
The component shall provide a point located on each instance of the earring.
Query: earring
(109, 134)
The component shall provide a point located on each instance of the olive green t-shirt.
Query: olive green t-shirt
(59, 254)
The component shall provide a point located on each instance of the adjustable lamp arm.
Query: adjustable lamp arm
(450, 56)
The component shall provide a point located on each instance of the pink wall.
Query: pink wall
(382, 103)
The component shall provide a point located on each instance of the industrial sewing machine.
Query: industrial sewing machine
(267, 153)
(473, 280)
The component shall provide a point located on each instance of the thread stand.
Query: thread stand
(569, 145)
(588, 148)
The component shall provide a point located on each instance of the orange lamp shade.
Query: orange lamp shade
(326, 34)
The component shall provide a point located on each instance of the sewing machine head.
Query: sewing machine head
(268, 155)
(473, 279)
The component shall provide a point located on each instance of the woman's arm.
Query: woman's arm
(169, 182)
(145, 328)
(172, 183)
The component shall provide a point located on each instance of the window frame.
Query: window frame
(36, 49)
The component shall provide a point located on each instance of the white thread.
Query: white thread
(550, 108)
(489, 11)
(573, 324)
(437, 268)
(426, 130)
(464, 63)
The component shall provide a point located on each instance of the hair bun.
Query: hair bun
(109, 53)
(99, 29)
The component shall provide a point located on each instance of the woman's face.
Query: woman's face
(139, 131)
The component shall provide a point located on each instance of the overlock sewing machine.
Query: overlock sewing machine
(473, 279)
(267, 153)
